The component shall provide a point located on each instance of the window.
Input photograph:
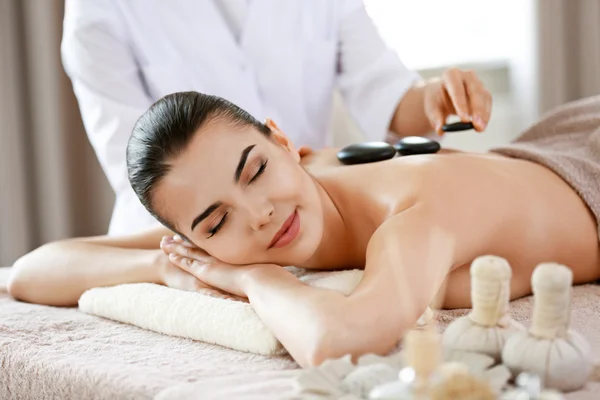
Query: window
(496, 38)
(433, 33)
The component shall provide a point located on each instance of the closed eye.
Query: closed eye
(259, 172)
(213, 231)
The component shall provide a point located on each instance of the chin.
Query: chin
(299, 252)
(308, 244)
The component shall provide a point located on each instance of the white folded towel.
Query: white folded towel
(225, 322)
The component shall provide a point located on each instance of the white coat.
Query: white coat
(122, 55)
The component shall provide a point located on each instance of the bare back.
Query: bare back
(515, 209)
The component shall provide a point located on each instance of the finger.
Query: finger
(222, 276)
(194, 267)
(190, 266)
(454, 85)
(181, 240)
(436, 106)
(178, 278)
(186, 251)
(166, 245)
(180, 261)
(178, 239)
(479, 99)
(167, 242)
(437, 117)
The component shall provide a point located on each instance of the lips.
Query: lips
(288, 231)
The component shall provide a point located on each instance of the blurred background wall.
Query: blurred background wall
(532, 54)
(51, 185)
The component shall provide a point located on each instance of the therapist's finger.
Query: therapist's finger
(480, 100)
(437, 115)
(436, 105)
(454, 85)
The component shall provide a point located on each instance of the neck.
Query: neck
(338, 243)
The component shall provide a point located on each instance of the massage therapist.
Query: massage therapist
(277, 59)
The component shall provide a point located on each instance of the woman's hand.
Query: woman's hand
(459, 93)
(210, 271)
(173, 276)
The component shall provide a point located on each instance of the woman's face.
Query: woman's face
(243, 197)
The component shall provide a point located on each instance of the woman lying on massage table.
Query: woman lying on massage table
(241, 192)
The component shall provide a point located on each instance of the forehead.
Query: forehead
(214, 144)
(204, 171)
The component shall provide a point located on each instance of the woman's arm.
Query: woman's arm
(59, 272)
(408, 258)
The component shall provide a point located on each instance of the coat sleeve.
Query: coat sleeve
(371, 77)
(97, 56)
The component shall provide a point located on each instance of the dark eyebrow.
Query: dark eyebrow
(238, 173)
(205, 214)
(242, 163)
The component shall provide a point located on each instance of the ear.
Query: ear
(281, 138)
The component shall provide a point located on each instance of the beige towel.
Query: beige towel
(566, 140)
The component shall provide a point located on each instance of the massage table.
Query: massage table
(62, 353)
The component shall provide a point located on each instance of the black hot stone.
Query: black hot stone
(412, 145)
(367, 152)
(458, 126)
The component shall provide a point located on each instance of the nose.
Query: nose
(260, 213)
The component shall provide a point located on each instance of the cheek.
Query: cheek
(239, 256)
(286, 181)
(233, 247)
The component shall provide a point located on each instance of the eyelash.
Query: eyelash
(263, 165)
(217, 228)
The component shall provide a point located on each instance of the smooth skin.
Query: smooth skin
(428, 104)
(414, 236)
(414, 224)
(56, 281)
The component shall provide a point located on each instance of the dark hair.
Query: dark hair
(166, 129)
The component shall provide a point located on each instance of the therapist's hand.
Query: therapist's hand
(460, 93)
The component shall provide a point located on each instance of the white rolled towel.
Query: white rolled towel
(225, 322)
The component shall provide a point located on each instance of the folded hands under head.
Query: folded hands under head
(190, 268)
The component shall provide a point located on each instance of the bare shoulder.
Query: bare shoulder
(393, 184)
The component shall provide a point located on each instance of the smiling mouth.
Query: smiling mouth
(288, 231)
